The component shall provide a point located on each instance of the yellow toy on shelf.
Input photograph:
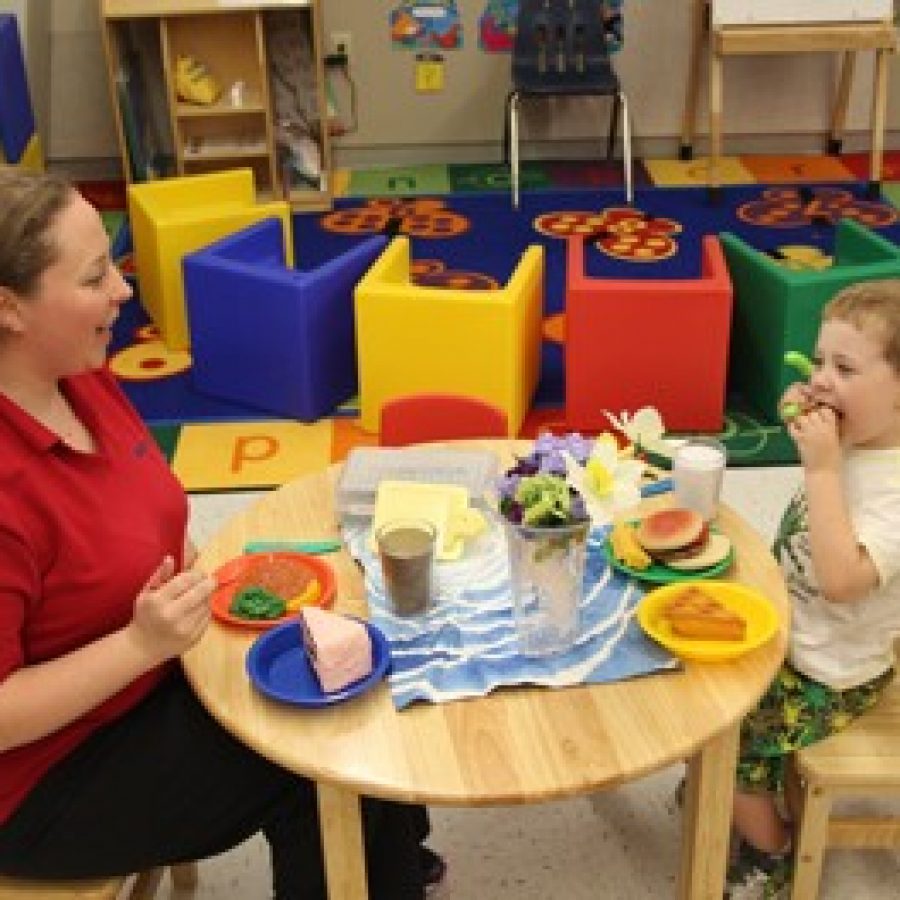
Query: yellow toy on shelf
(412, 339)
(194, 83)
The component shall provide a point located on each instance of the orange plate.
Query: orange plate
(227, 577)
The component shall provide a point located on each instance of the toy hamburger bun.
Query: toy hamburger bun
(670, 529)
(716, 548)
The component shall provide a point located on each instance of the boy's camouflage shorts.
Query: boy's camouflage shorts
(795, 712)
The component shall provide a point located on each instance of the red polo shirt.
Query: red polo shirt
(80, 534)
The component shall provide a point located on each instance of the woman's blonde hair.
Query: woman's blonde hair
(29, 204)
(872, 306)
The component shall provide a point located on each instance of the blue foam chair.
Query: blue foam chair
(273, 337)
(19, 142)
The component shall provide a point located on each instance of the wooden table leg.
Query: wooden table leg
(715, 116)
(706, 820)
(340, 821)
(879, 111)
(689, 115)
(841, 101)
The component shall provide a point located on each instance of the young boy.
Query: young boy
(839, 548)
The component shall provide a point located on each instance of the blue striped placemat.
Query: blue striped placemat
(465, 645)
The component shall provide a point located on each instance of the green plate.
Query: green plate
(657, 573)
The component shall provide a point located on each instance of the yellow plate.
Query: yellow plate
(760, 614)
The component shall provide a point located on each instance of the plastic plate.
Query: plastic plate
(279, 667)
(657, 573)
(228, 578)
(760, 614)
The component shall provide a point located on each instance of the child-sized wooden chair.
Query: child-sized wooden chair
(861, 761)
(436, 417)
(184, 880)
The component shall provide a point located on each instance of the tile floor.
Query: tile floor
(621, 844)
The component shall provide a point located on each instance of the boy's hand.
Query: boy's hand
(818, 442)
(795, 401)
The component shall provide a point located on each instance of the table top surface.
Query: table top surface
(515, 745)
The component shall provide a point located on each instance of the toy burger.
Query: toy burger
(676, 538)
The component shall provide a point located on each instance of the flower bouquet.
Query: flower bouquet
(549, 500)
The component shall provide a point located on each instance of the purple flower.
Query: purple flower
(552, 463)
(507, 484)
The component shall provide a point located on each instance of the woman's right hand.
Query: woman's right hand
(172, 611)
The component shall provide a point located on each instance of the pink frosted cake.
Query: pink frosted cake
(339, 648)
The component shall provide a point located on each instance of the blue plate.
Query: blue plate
(279, 667)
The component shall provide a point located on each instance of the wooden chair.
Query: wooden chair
(862, 761)
(432, 417)
(142, 886)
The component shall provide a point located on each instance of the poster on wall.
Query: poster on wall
(497, 25)
(426, 24)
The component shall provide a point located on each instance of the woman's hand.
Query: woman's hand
(172, 611)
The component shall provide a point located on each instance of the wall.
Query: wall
(772, 103)
(81, 121)
(787, 96)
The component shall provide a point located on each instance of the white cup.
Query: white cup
(697, 469)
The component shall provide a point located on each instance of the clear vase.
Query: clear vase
(547, 575)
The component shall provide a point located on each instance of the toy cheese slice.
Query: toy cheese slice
(445, 506)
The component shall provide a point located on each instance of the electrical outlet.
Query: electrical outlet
(341, 44)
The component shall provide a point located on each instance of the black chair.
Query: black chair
(562, 50)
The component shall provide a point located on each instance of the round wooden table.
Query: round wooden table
(522, 745)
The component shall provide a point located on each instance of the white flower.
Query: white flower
(609, 481)
(645, 428)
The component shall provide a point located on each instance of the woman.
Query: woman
(108, 764)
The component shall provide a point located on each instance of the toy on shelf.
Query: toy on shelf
(194, 83)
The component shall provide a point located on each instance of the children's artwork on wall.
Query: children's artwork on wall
(497, 26)
(426, 24)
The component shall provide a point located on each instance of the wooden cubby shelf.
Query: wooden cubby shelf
(271, 113)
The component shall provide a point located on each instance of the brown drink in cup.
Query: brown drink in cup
(406, 548)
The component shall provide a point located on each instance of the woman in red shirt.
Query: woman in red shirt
(108, 764)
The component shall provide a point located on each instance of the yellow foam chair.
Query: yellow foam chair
(480, 343)
(175, 216)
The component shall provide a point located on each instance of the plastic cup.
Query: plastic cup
(406, 549)
(547, 574)
(697, 470)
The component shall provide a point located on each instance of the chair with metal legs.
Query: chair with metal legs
(562, 50)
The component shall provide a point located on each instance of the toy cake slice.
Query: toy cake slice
(339, 648)
(695, 614)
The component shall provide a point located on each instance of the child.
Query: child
(839, 548)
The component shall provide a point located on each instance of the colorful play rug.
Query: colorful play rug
(475, 238)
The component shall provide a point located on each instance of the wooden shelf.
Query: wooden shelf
(192, 111)
(204, 155)
(240, 43)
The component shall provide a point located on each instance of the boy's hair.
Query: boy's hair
(871, 306)
(29, 205)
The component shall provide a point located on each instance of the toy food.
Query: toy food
(626, 548)
(278, 576)
(670, 529)
(256, 603)
(693, 613)
(716, 548)
(338, 647)
(680, 539)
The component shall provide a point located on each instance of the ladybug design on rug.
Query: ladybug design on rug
(621, 232)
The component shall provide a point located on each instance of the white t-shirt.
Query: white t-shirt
(845, 644)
